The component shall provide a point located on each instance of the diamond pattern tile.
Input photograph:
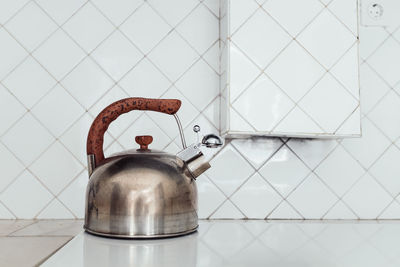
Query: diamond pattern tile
(213, 6)
(396, 34)
(386, 170)
(145, 80)
(321, 102)
(303, 70)
(59, 54)
(29, 82)
(295, 18)
(88, 27)
(367, 198)
(200, 35)
(74, 195)
(312, 152)
(371, 38)
(179, 58)
(229, 179)
(283, 176)
(340, 211)
(240, 12)
(145, 28)
(8, 101)
(72, 138)
(55, 210)
(27, 148)
(11, 169)
(386, 61)
(117, 55)
(373, 89)
(273, 103)
(87, 82)
(243, 72)
(60, 10)
(9, 8)
(347, 71)
(271, 38)
(5, 213)
(11, 54)
(227, 210)
(351, 125)
(368, 148)
(26, 185)
(385, 109)
(345, 11)
(327, 47)
(199, 84)
(257, 151)
(118, 11)
(256, 198)
(64, 167)
(312, 198)
(177, 55)
(391, 212)
(31, 26)
(210, 197)
(211, 56)
(297, 121)
(62, 116)
(284, 210)
(173, 15)
(339, 171)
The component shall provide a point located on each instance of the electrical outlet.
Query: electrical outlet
(382, 13)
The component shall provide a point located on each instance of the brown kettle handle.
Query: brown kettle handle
(94, 145)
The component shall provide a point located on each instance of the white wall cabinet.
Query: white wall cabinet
(290, 68)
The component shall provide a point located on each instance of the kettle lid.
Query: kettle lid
(143, 141)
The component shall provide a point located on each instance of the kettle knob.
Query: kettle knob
(144, 141)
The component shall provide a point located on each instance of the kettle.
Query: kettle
(142, 193)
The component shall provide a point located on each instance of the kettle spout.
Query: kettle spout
(194, 160)
(192, 156)
(198, 166)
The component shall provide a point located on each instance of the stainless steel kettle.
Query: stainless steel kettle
(142, 193)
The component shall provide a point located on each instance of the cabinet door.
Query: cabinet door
(290, 68)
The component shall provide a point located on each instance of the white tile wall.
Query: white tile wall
(63, 61)
(52, 85)
(291, 68)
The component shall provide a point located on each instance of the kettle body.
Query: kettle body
(141, 193)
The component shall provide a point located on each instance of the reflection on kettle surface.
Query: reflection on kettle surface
(103, 251)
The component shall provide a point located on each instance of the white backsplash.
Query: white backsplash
(63, 61)
(290, 71)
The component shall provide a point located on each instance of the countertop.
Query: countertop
(245, 243)
(26, 243)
